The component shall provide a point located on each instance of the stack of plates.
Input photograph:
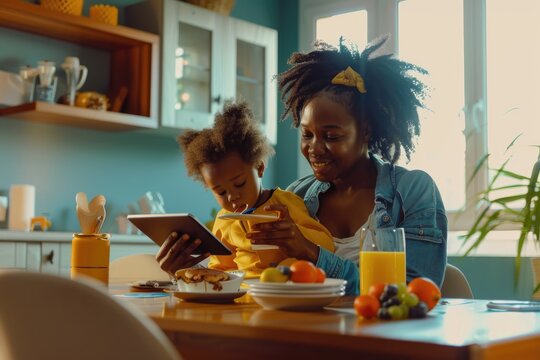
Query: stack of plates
(297, 296)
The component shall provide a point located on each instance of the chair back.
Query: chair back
(44, 316)
(455, 284)
(128, 269)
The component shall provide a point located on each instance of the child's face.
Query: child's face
(233, 182)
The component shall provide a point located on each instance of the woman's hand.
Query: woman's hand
(175, 254)
(285, 234)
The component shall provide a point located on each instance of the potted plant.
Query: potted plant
(516, 202)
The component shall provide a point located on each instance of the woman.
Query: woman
(356, 114)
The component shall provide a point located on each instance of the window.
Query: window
(513, 81)
(484, 62)
(441, 156)
(351, 25)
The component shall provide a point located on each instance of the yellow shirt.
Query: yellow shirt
(233, 234)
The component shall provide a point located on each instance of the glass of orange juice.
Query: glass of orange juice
(382, 257)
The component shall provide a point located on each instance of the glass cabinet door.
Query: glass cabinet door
(192, 69)
(256, 66)
(191, 91)
(250, 81)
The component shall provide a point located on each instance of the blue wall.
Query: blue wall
(60, 161)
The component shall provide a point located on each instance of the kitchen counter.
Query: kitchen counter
(60, 236)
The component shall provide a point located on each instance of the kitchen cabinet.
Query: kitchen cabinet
(133, 67)
(208, 58)
(50, 252)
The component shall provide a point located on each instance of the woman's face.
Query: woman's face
(332, 141)
(234, 183)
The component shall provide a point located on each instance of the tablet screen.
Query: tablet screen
(159, 226)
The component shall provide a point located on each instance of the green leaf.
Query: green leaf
(507, 199)
(512, 142)
(513, 175)
(477, 168)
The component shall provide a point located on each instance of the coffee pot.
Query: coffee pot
(75, 77)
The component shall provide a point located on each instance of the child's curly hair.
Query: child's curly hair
(234, 129)
(389, 106)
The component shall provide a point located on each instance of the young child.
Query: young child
(229, 159)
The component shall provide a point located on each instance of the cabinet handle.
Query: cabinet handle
(49, 258)
(217, 99)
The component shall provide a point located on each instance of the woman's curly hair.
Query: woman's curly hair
(234, 129)
(389, 107)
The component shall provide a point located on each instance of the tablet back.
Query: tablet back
(159, 226)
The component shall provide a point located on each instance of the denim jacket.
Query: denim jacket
(403, 198)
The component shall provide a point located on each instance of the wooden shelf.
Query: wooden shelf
(76, 116)
(134, 65)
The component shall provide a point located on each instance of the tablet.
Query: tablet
(514, 305)
(159, 226)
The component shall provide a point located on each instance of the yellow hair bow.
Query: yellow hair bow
(349, 77)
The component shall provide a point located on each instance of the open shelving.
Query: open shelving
(134, 65)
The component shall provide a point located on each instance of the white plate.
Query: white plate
(294, 302)
(297, 296)
(213, 297)
(238, 216)
(301, 292)
(328, 283)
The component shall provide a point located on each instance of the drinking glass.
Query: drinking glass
(382, 257)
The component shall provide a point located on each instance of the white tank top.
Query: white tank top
(349, 247)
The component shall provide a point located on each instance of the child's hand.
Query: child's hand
(175, 253)
(285, 234)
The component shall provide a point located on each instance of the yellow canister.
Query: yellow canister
(90, 255)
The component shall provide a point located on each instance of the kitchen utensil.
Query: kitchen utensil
(46, 71)
(75, 77)
(11, 89)
(152, 203)
(47, 92)
(91, 215)
(28, 76)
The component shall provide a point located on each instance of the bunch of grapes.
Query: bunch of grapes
(398, 301)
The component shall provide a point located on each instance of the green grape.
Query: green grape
(410, 299)
(404, 311)
(401, 289)
(395, 311)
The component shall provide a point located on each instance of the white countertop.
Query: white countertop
(58, 236)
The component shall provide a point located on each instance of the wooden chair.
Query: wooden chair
(136, 267)
(455, 284)
(44, 316)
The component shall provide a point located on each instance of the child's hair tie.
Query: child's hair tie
(349, 77)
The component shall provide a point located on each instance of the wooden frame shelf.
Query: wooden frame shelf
(76, 116)
(134, 65)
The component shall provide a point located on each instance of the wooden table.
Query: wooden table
(459, 329)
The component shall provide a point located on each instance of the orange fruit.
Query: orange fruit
(426, 290)
(303, 272)
(366, 306)
(376, 290)
(321, 275)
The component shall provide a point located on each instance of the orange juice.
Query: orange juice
(381, 267)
